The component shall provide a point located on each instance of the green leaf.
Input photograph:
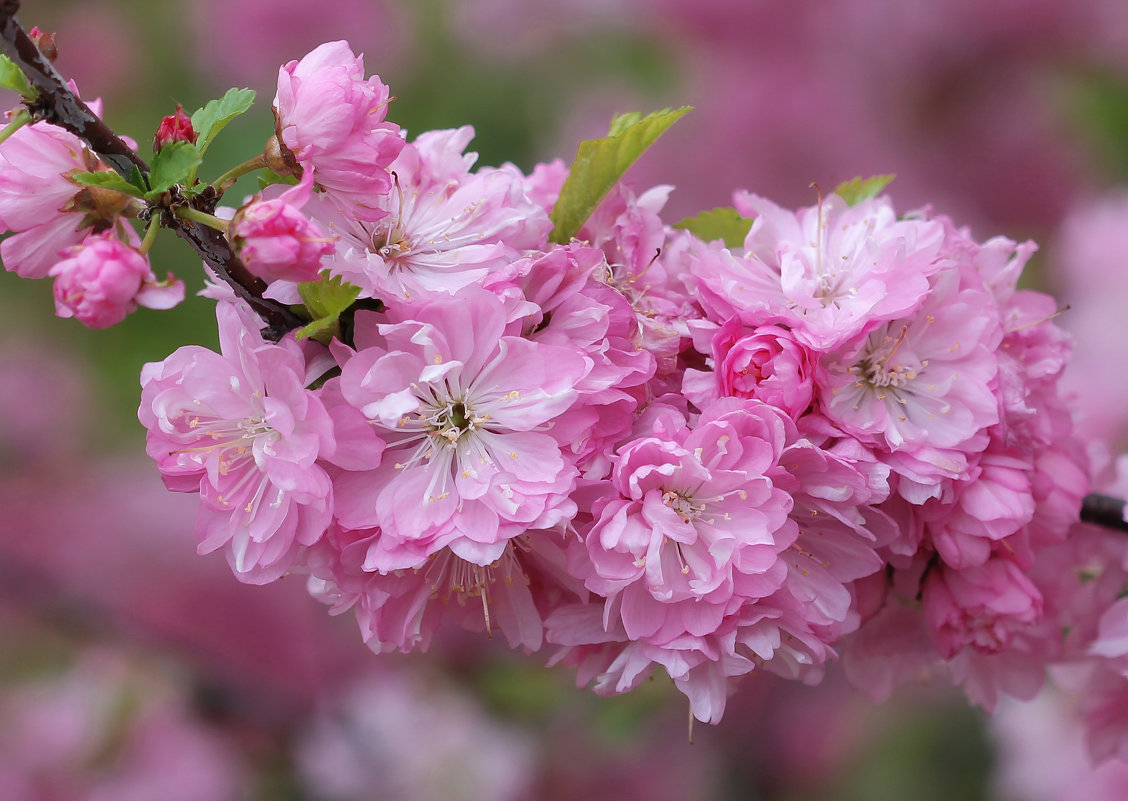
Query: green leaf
(105, 180)
(12, 77)
(174, 164)
(325, 300)
(856, 189)
(725, 224)
(600, 163)
(269, 177)
(212, 118)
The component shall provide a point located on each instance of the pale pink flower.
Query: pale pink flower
(441, 227)
(924, 380)
(276, 241)
(240, 428)
(103, 279)
(46, 211)
(839, 268)
(403, 609)
(979, 607)
(466, 410)
(332, 119)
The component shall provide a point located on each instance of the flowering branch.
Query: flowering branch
(60, 106)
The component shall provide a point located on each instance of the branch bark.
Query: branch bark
(60, 106)
(1104, 511)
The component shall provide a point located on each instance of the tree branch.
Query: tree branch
(1104, 511)
(60, 106)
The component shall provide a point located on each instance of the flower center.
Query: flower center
(682, 505)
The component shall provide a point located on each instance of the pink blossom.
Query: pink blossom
(898, 386)
(332, 120)
(103, 279)
(240, 428)
(276, 241)
(442, 227)
(979, 607)
(838, 267)
(46, 211)
(766, 362)
(465, 408)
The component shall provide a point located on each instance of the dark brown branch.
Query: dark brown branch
(58, 105)
(1104, 511)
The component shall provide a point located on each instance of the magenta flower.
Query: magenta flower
(240, 428)
(466, 409)
(103, 279)
(332, 120)
(276, 241)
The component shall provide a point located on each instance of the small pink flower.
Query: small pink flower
(276, 241)
(332, 120)
(104, 279)
(766, 363)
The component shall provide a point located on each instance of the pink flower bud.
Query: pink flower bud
(104, 279)
(276, 241)
(174, 128)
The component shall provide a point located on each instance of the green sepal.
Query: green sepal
(212, 118)
(12, 77)
(174, 164)
(858, 189)
(105, 180)
(138, 180)
(325, 301)
(725, 224)
(600, 163)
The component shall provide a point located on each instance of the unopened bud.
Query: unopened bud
(280, 159)
(45, 42)
(174, 128)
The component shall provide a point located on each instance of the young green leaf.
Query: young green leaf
(325, 300)
(174, 164)
(856, 189)
(12, 77)
(269, 177)
(105, 180)
(725, 224)
(138, 180)
(212, 118)
(600, 163)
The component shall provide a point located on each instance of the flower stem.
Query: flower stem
(22, 118)
(228, 179)
(210, 220)
(151, 234)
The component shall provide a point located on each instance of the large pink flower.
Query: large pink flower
(240, 428)
(466, 409)
(332, 120)
(442, 227)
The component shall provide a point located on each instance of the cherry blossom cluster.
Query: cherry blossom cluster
(752, 440)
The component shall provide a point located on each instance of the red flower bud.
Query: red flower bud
(174, 128)
(45, 42)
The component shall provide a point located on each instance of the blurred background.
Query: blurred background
(130, 668)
